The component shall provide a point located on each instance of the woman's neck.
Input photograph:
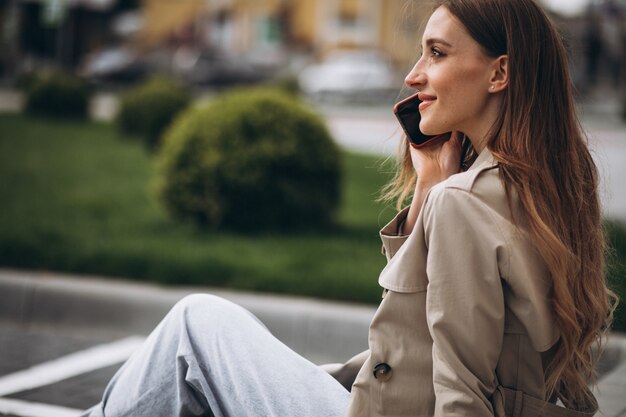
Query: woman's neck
(479, 131)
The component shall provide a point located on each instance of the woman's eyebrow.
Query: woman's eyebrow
(431, 41)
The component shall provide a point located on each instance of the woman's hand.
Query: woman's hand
(433, 163)
(437, 161)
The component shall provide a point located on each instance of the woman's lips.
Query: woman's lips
(425, 104)
(426, 100)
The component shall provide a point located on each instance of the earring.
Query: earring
(493, 86)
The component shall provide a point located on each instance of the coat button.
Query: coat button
(383, 372)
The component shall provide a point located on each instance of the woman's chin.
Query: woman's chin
(431, 130)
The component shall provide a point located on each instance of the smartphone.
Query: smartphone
(408, 114)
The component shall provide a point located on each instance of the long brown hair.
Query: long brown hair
(543, 157)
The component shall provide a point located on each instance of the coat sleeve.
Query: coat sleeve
(464, 301)
(391, 236)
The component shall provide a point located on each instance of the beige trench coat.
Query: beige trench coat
(465, 325)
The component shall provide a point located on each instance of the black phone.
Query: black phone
(408, 114)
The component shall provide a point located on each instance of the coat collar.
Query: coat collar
(484, 160)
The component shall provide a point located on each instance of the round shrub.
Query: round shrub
(57, 95)
(149, 108)
(250, 160)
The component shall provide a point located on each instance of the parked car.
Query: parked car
(113, 64)
(215, 68)
(350, 75)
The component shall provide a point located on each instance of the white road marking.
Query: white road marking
(68, 366)
(30, 409)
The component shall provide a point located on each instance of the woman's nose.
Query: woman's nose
(415, 78)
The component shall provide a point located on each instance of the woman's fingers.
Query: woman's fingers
(439, 159)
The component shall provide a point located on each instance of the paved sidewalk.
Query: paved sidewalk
(50, 325)
(87, 311)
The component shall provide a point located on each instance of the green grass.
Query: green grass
(76, 197)
(616, 239)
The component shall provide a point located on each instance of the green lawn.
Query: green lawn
(77, 197)
(616, 237)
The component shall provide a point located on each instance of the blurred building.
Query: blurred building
(65, 32)
(56, 31)
(318, 26)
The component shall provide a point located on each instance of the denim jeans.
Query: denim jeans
(210, 357)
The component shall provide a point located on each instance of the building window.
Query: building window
(348, 13)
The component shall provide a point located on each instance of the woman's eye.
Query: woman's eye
(434, 52)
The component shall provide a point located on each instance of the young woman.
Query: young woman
(494, 289)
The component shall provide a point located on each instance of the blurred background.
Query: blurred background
(139, 138)
(328, 46)
(227, 144)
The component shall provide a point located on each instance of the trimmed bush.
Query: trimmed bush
(57, 95)
(148, 109)
(250, 160)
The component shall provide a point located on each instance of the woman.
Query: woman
(494, 289)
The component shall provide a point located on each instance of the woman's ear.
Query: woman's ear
(500, 74)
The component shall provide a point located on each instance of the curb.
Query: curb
(321, 331)
(314, 328)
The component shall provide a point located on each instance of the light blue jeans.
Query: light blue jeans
(210, 357)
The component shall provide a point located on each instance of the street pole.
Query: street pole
(10, 38)
(55, 13)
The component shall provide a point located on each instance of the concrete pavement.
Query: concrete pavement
(51, 324)
(93, 310)
(322, 331)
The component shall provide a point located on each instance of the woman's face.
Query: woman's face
(453, 76)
